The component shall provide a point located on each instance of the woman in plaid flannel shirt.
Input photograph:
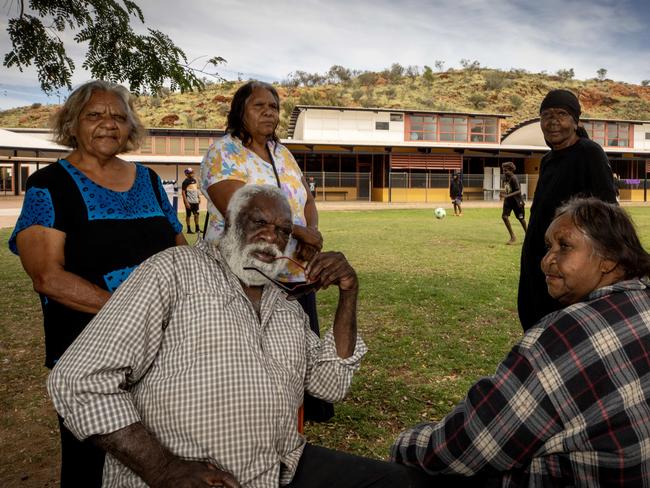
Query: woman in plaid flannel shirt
(570, 403)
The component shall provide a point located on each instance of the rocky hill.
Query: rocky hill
(473, 88)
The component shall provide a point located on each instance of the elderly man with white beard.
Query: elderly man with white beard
(193, 373)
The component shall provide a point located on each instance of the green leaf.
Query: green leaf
(115, 52)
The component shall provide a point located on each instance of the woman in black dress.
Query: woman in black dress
(87, 221)
(575, 166)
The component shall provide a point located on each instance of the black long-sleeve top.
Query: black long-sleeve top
(582, 169)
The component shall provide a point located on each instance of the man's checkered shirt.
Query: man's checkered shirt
(569, 406)
(180, 348)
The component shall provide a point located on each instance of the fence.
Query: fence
(473, 184)
(340, 186)
(357, 186)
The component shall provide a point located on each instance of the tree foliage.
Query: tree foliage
(601, 73)
(427, 74)
(565, 74)
(114, 51)
(469, 65)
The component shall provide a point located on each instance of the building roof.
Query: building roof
(397, 110)
(409, 144)
(180, 131)
(161, 158)
(13, 140)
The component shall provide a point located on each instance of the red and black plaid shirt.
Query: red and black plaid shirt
(568, 406)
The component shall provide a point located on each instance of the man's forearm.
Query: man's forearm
(345, 323)
(135, 447)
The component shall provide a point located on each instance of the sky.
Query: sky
(269, 39)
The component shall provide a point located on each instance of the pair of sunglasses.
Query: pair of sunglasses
(293, 291)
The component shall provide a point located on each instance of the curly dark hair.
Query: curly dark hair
(611, 232)
(236, 125)
(510, 165)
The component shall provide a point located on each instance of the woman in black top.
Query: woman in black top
(87, 222)
(575, 166)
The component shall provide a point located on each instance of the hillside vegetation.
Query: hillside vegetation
(473, 88)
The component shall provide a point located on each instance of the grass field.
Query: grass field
(437, 310)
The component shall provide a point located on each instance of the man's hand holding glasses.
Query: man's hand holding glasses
(324, 270)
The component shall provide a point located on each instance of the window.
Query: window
(422, 128)
(189, 146)
(381, 125)
(596, 131)
(482, 129)
(160, 143)
(204, 143)
(647, 136)
(174, 145)
(618, 134)
(613, 134)
(396, 117)
(145, 148)
(453, 128)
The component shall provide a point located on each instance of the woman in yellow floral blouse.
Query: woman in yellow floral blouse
(250, 152)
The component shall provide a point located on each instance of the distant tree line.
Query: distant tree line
(339, 74)
(495, 79)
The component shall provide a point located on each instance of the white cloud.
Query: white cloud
(270, 39)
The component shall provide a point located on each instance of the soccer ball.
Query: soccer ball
(440, 213)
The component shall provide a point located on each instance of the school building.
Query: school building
(375, 154)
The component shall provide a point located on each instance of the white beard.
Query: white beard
(238, 256)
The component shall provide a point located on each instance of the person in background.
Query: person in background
(512, 200)
(312, 186)
(569, 405)
(191, 199)
(575, 166)
(190, 382)
(250, 152)
(87, 222)
(617, 186)
(456, 193)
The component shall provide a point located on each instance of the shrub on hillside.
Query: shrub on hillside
(478, 100)
(516, 101)
(495, 80)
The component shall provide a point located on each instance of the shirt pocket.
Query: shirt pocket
(192, 332)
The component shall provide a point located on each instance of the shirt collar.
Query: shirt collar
(621, 286)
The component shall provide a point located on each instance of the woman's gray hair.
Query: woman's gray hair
(65, 120)
(611, 233)
(245, 194)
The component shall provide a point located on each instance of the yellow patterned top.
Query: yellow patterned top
(228, 159)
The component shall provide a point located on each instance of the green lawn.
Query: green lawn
(437, 310)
